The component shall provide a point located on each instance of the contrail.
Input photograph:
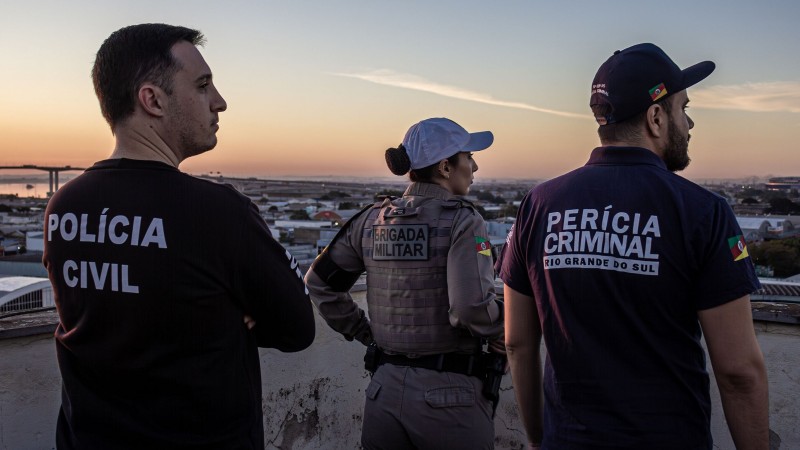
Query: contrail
(776, 96)
(407, 81)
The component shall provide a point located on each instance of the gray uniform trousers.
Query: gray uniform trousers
(415, 408)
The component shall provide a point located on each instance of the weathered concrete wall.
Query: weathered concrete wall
(30, 393)
(780, 345)
(314, 399)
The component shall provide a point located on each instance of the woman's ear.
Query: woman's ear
(444, 168)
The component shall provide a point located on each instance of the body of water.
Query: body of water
(33, 189)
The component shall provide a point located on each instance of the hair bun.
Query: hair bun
(397, 160)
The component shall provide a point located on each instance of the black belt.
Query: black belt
(444, 362)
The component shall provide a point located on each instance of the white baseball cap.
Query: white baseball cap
(433, 140)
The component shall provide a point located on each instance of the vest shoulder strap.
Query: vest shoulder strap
(457, 203)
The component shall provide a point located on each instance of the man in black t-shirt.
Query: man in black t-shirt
(166, 285)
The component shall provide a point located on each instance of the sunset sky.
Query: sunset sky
(323, 88)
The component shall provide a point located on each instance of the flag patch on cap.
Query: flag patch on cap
(658, 92)
(738, 247)
(483, 246)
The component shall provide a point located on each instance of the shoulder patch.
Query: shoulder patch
(738, 247)
(483, 246)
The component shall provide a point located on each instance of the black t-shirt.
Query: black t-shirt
(153, 271)
(620, 255)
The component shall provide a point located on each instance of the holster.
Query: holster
(495, 365)
(372, 358)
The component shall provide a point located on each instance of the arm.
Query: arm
(270, 286)
(329, 281)
(739, 370)
(470, 280)
(523, 339)
(338, 308)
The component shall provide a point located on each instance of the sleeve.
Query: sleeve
(270, 285)
(726, 269)
(513, 263)
(470, 279)
(331, 277)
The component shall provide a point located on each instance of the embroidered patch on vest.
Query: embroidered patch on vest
(400, 242)
(483, 246)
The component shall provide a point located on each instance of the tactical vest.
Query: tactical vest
(405, 254)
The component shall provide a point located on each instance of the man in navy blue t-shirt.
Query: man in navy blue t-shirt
(620, 265)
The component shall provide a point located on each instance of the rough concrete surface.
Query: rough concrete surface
(30, 393)
(314, 399)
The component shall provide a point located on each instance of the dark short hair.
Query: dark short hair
(132, 56)
(628, 129)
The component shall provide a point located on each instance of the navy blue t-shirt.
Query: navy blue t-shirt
(620, 255)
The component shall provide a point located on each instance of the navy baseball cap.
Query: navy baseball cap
(633, 79)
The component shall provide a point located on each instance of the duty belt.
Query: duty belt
(444, 362)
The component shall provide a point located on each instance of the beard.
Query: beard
(192, 137)
(192, 145)
(676, 155)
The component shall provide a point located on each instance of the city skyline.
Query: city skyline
(319, 89)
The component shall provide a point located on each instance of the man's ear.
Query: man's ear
(656, 120)
(152, 99)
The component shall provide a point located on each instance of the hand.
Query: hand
(498, 346)
(249, 321)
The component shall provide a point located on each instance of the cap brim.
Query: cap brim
(694, 74)
(479, 141)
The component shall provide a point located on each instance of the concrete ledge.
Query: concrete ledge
(28, 324)
(314, 399)
(788, 313)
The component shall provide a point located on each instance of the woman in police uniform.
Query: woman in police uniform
(430, 296)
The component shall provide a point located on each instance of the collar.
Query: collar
(624, 156)
(127, 163)
(428, 190)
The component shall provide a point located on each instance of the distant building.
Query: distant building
(777, 291)
(34, 241)
(328, 215)
(325, 238)
(23, 293)
(337, 217)
(292, 224)
(8, 247)
(492, 209)
(757, 229)
(346, 214)
(783, 184)
(750, 209)
(306, 236)
(498, 229)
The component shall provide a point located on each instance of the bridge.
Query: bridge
(52, 170)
